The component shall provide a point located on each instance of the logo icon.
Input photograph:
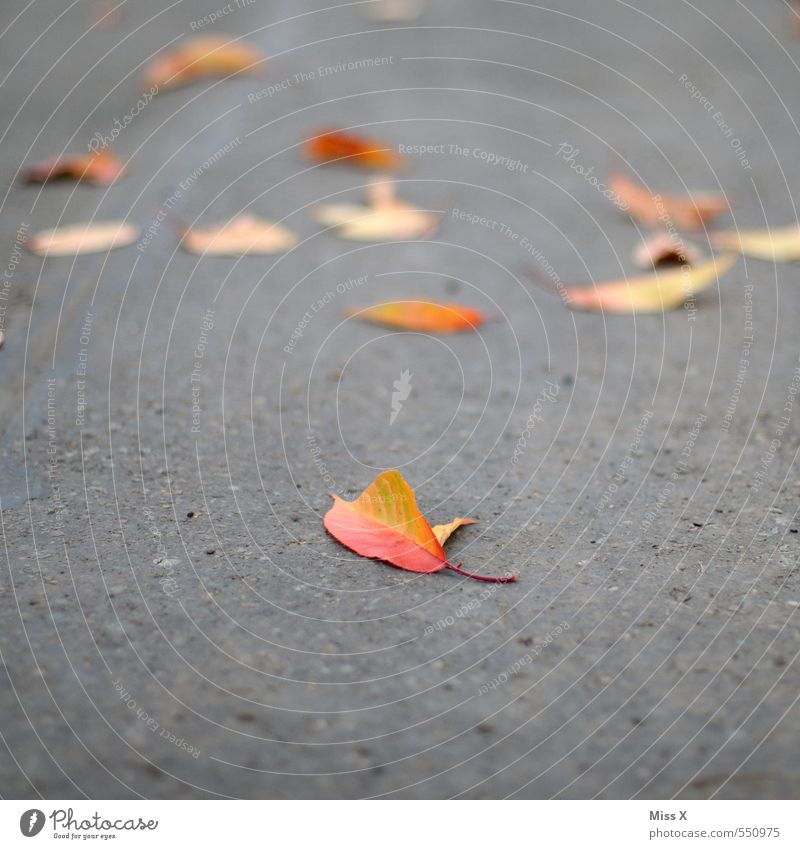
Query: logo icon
(31, 822)
(402, 389)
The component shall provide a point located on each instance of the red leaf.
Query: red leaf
(385, 523)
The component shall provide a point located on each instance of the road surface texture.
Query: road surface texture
(175, 620)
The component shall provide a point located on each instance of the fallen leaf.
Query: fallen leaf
(201, 57)
(664, 249)
(352, 149)
(683, 213)
(101, 167)
(94, 237)
(444, 532)
(384, 217)
(389, 11)
(422, 316)
(244, 234)
(654, 293)
(385, 523)
(779, 245)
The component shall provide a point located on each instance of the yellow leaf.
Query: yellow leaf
(444, 532)
(384, 217)
(779, 245)
(94, 237)
(244, 234)
(200, 57)
(657, 292)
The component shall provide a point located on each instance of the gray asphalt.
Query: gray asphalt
(175, 620)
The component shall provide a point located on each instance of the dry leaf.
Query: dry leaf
(385, 523)
(100, 167)
(201, 57)
(444, 532)
(664, 249)
(655, 293)
(423, 316)
(779, 245)
(244, 234)
(352, 149)
(683, 213)
(94, 237)
(385, 217)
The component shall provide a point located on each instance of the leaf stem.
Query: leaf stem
(509, 579)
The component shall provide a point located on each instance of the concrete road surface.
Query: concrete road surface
(175, 620)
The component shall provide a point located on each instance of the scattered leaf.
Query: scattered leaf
(422, 316)
(657, 292)
(100, 167)
(384, 217)
(244, 234)
(391, 11)
(353, 149)
(779, 245)
(201, 57)
(444, 532)
(385, 523)
(683, 213)
(664, 249)
(91, 238)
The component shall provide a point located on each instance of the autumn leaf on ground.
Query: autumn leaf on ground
(385, 523)
(422, 316)
(384, 217)
(664, 249)
(353, 149)
(95, 237)
(654, 293)
(244, 234)
(201, 57)
(444, 532)
(683, 213)
(101, 168)
(779, 245)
